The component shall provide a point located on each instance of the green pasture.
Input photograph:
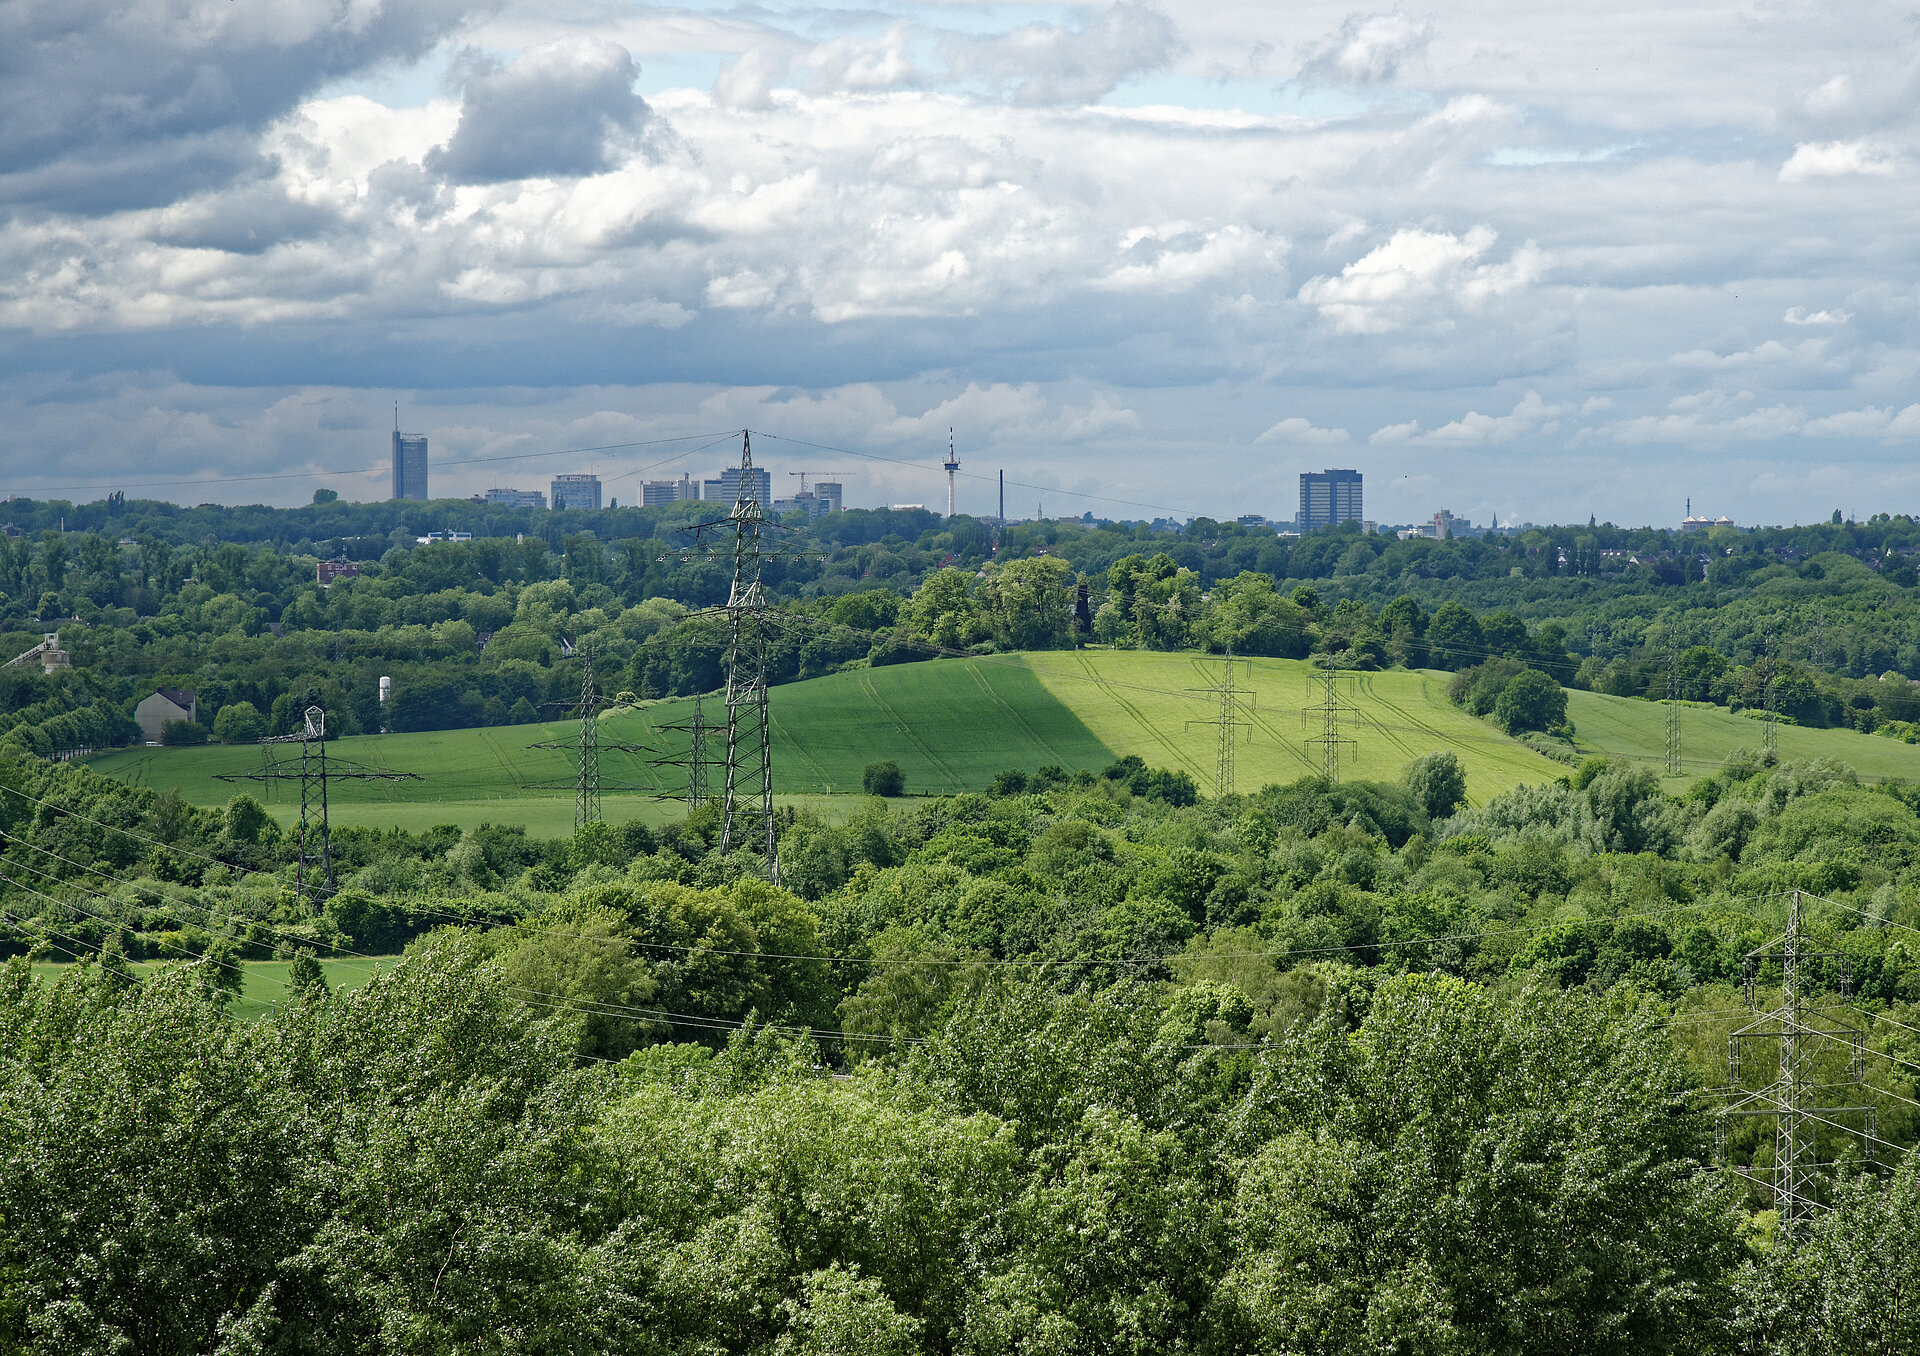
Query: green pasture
(953, 723)
(1153, 705)
(1622, 727)
(263, 984)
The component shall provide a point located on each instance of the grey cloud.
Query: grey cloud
(248, 220)
(106, 104)
(552, 113)
(1053, 64)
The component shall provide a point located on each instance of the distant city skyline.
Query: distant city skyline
(1507, 258)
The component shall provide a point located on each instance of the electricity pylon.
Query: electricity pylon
(1802, 1033)
(586, 747)
(695, 761)
(1769, 735)
(1673, 701)
(313, 876)
(1328, 715)
(746, 764)
(1227, 721)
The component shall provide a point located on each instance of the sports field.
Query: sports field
(953, 723)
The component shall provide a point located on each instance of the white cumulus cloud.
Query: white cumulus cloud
(1415, 272)
(1835, 160)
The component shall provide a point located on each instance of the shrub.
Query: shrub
(883, 779)
(1531, 701)
(177, 733)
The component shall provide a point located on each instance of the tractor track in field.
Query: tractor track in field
(866, 686)
(1153, 731)
(1019, 721)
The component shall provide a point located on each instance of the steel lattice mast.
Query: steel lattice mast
(1232, 704)
(746, 806)
(1330, 713)
(586, 747)
(696, 759)
(1801, 1032)
(313, 877)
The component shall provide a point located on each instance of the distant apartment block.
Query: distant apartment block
(518, 499)
(826, 497)
(726, 490)
(409, 465)
(1328, 497)
(576, 492)
(654, 493)
(329, 570)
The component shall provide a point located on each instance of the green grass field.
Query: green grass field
(1623, 728)
(953, 723)
(1150, 704)
(264, 983)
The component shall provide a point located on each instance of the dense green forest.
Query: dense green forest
(1084, 1061)
(1085, 1065)
(225, 602)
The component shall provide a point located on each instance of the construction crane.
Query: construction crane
(804, 474)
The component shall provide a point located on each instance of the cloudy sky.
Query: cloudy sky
(1503, 257)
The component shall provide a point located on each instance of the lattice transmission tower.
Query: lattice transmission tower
(1769, 680)
(1329, 716)
(696, 759)
(313, 769)
(1806, 1040)
(586, 748)
(1673, 700)
(745, 761)
(1232, 704)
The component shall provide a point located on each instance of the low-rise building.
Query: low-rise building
(515, 498)
(165, 704)
(329, 570)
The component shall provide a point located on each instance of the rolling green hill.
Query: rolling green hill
(953, 723)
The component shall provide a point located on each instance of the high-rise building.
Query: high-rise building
(826, 494)
(654, 493)
(516, 498)
(576, 492)
(1328, 497)
(726, 490)
(409, 465)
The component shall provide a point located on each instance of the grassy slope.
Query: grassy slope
(1143, 703)
(1623, 727)
(953, 723)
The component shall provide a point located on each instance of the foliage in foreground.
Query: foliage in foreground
(422, 1165)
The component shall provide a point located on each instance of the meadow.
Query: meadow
(263, 984)
(953, 723)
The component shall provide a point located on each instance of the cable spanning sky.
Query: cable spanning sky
(1506, 258)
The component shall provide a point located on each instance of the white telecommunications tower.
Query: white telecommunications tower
(953, 466)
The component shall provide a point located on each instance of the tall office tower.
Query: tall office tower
(409, 462)
(1328, 497)
(826, 494)
(576, 492)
